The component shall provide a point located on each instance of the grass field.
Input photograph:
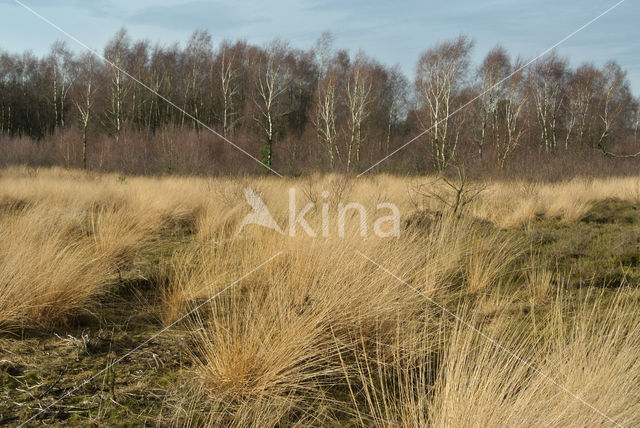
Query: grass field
(516, 306)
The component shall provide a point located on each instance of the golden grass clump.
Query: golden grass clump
(65, 241)
(46, 273)
(586, 367)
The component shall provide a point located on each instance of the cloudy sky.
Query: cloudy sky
(392, 31)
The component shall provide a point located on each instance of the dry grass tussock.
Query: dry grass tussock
(510, 204)
(589, 352)
(67, 237)
(320, 335)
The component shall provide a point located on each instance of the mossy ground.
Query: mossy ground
(602, 249)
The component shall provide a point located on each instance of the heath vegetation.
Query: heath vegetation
(510, 303)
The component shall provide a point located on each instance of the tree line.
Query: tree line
(296, 110)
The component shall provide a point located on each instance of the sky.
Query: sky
(394, 32)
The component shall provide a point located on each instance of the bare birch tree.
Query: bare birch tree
(440, 72)
(615, 101)
(515, 99)
(495, 67)
(272, 79)
(358, 98)
(323, 53)
(582, 89)
(229, 84)
(62, 69)
(117, 52)
(325, 118)
(85, 99)
(547, 80)
(197, 59)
